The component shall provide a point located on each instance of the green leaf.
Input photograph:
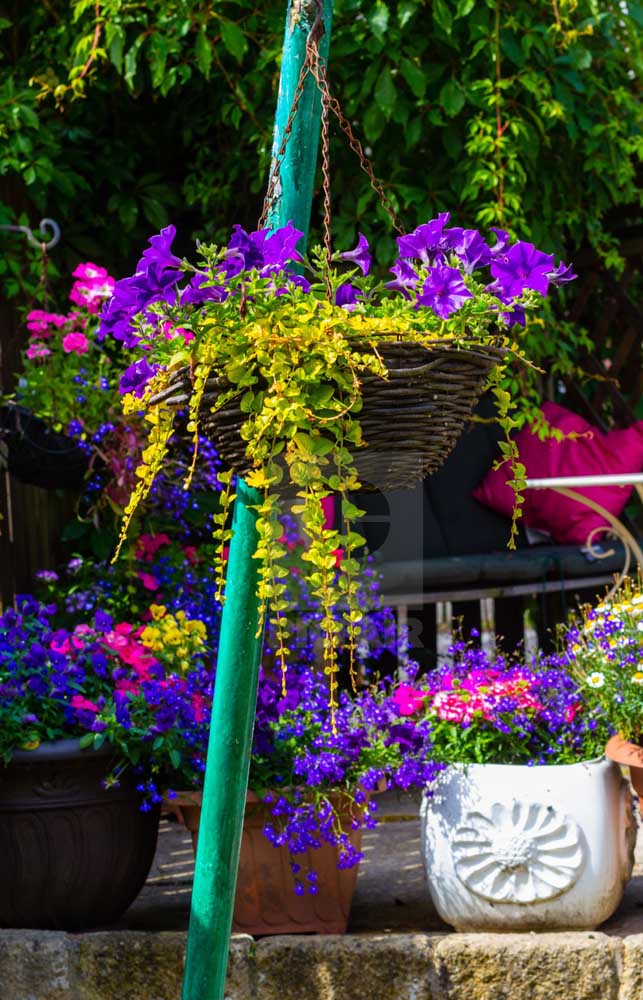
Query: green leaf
(385, 93)
(374, 122)
(464, 7)
(234, 39)
(378, 20)
(405, 11)
(175, 758)
(452, 98)
(86, 741)
(414, 76)
(203, 52)
(442, 15)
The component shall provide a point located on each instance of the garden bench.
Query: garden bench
(440, 552)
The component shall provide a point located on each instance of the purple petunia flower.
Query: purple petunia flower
(135, 378)
(521, 267)
(425, 241)
(159, 252)
(405, 278)
(502, 241)
(469, 246)
(444, 291)
(348, 296)
(360, 255)
(562, 274)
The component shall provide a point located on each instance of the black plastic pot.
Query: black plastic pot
(73, 856)
(39, 455)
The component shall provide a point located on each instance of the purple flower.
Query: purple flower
(562, 275)
(405, 278)
(522, 266)
(135, 378)
(159, 252)
(444, 291)
(360, 255)
(425, 241)
(348, 296)
(502, 241)
(262, 250)
(469, 246)
(515, 316)
(195, 293)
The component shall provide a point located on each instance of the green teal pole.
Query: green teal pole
(294, 193)
(239, 655)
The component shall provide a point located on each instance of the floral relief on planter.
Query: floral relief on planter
(519, 853)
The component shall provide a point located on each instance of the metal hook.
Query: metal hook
(43, 225)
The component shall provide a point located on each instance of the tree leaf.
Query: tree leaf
(452, 98)
(203, 52)
(414, 76)
(234, 39)
(385, 93)
(378, 20)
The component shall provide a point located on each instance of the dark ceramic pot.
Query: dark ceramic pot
(72, 855)
(38, 455)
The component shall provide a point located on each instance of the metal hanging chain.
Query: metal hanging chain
(43, 226)
(314, 65)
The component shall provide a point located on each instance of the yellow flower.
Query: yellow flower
(596, 679)
(158, 611)
(637, 678)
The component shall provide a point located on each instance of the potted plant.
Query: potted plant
(316, 385)
(309, 797)
(88, 718)
(528, 827)
(604, 653)
(65, 401)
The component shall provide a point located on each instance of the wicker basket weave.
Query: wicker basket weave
(410, 421)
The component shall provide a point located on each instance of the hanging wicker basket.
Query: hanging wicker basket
(38, 455)
(410, 421)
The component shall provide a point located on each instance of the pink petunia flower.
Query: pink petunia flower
(89, 271)
(84, 704)
(44, 323)
(149, 582)
(148, 545)
(75, 343)
(408, 699)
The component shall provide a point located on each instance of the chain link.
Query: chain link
(314, 65)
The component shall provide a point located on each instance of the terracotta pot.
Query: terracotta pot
(73, 855)
(265, 901)
(630, 755)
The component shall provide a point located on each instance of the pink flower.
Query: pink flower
(92, 293)
(75, 343)
(408, 700)
(149, 582)
(60, 647)
(89, 271)
(148, 545)
(572, 711)
(37, 351)
(123, 628)
(190, 554)
(128, 685)
(170, 332)
(84, 704)
(41, 322)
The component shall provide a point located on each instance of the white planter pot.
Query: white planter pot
(510, 847)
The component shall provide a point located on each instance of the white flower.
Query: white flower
(638, 599)
(596, 679)
(640, 626)
(603, 607)
(637, 678)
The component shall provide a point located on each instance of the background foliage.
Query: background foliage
(117, 116)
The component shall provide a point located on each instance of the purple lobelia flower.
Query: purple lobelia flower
(521, 267)
(360, 255)
(135, 378)
(444, 291)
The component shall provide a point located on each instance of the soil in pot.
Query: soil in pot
(73, 855)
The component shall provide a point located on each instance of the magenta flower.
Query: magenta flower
(360, 255)
(89, 272)
(75, 343)
(92, 293)
(44, 323)
(37, 351)
(522, 266)
(444, 291)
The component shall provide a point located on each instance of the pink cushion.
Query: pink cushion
(595, 453)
